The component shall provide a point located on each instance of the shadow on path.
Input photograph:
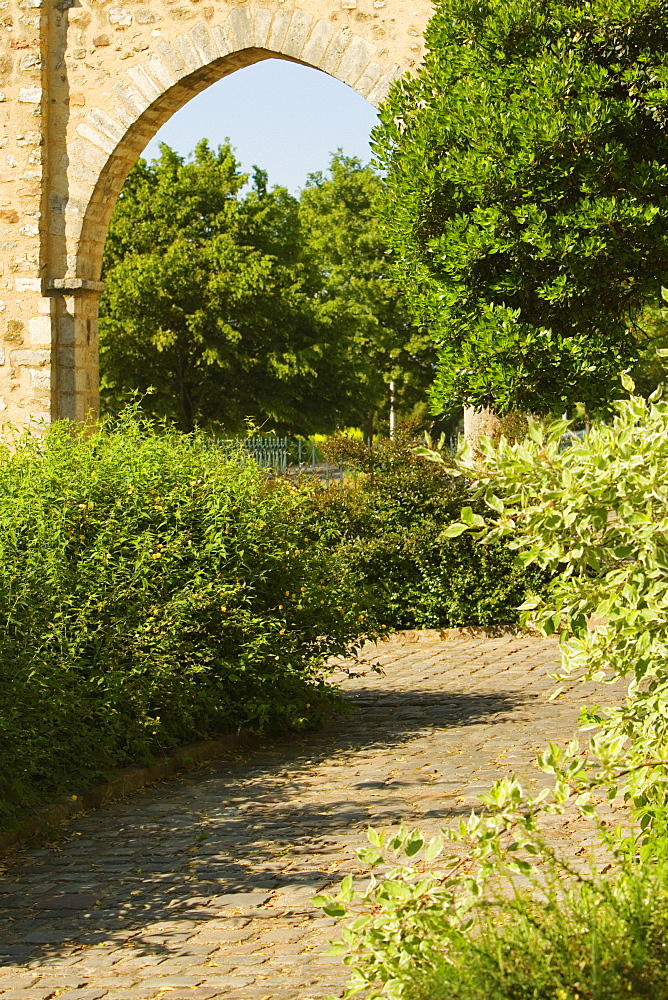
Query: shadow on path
(283, 818)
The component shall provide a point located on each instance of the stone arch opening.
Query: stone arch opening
(106, 145)
(88, 87)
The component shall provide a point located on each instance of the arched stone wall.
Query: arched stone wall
(84, 85)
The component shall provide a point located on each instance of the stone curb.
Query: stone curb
(460, 632)
(40, 822)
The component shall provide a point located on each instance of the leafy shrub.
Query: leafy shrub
(153, 592)
(482, 923)
(502, 917)
(595, 515)
(600, 940)
(389, 520)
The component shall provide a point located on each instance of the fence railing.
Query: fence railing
(269, 452)
(294, 455)
(279, 454)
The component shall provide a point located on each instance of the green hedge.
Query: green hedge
(156, 591)
(153, 592)
(389, 521)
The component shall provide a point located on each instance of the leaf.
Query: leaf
(346, 889)
(337, 949)
(467, 516)
(454, 530)
(375, 837)
(360, 923)
(495, 502)
(369, 856)
(471, 519)
(414, 844)
(321, 900)
(434, 848)
(429, 454)
(393, 889)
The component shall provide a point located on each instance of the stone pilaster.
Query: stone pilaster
(73, 321)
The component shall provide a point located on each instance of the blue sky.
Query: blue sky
(283, 117)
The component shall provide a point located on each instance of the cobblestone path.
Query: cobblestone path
(200, 887)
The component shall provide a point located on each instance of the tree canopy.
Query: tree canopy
(233, 303)
(527, 194)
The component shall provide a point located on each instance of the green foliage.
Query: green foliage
(258, 305)
(502, 916)
(604, 939)
(596, 515)
(651, 328)
(527, 194)
(153, 592)
(349, 275)
(389, 520)
(199, 307)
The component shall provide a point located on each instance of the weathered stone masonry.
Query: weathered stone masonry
(84, 85)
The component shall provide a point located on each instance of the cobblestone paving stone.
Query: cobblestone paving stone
(200, 887)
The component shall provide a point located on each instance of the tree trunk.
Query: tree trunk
(368, 427)
(479, 424)
(393, 411)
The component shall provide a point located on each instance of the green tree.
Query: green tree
(257, 305)
(652, 331)
(527, 194)
(349, 277)
(201, 297)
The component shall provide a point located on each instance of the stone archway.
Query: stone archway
(84, 85)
